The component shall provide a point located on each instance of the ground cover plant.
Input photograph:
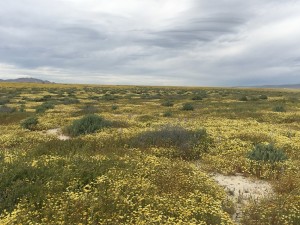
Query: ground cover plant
(87, 154)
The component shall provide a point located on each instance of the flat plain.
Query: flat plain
(88, 154)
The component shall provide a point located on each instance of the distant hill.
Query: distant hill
(289, 86)
(27, 80)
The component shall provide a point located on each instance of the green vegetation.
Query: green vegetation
(88, 154)
(29, 123)
(268, 153)
(279, 108)
(87, 125)
(44, 107)
(187, 107)
(185, 144)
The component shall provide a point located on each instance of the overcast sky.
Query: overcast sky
(152, 42)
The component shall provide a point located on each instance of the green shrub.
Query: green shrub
(197, 97)
(187, 144)
(43, 99)
(44, 107)
(114, 107)
(86, 125)
(263, 97)
(145, 118)
(6, 109)
(4, 101)
(279, 108)
(22, 108)
(69, 101)
(187, 107)
(167, 114)
(167, 103)
(109, 97)
(243, 98)
(267, 153)
(29, 123)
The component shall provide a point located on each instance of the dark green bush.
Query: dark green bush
(187, 107)
(197, 97)
(4, 101)
(43, 99)
(22, 108)
(44, 107)
(267, 153)
(243, 98)
(29, 123)
(69, 101)
(167, 103)
(109, 97)
(263, 97)
(279, 108)
(167, 114)
(188, 145)
(6, 109)
(114, 107)
(86, 125)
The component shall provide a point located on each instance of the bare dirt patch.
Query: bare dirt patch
(242, 190)
(57, 132)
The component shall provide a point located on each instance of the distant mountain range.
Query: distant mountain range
(27, 80)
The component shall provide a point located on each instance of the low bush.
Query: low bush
(167, 114)
(187, 107)
(88, 109)
(187, 144)
(243, 98)
(279, 108)
(167, 103)
(267, 153)
(114, 107)
(44, 107)
(263, 97)
(197, 97)
(29, 123)
(6, 109)
(109, 97)
(4, 101)
(86, 125)
(69, 101)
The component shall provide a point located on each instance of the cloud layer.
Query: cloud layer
(157, 42)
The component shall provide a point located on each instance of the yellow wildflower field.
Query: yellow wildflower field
(88, 154)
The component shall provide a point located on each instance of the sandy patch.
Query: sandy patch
(242, 190)
(57, 132)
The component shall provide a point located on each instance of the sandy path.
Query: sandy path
(242, 189)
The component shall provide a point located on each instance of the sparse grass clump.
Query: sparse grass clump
(87, 125)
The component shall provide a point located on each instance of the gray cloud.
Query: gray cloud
(191, 42)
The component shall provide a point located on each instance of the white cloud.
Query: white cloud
(183, 42)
